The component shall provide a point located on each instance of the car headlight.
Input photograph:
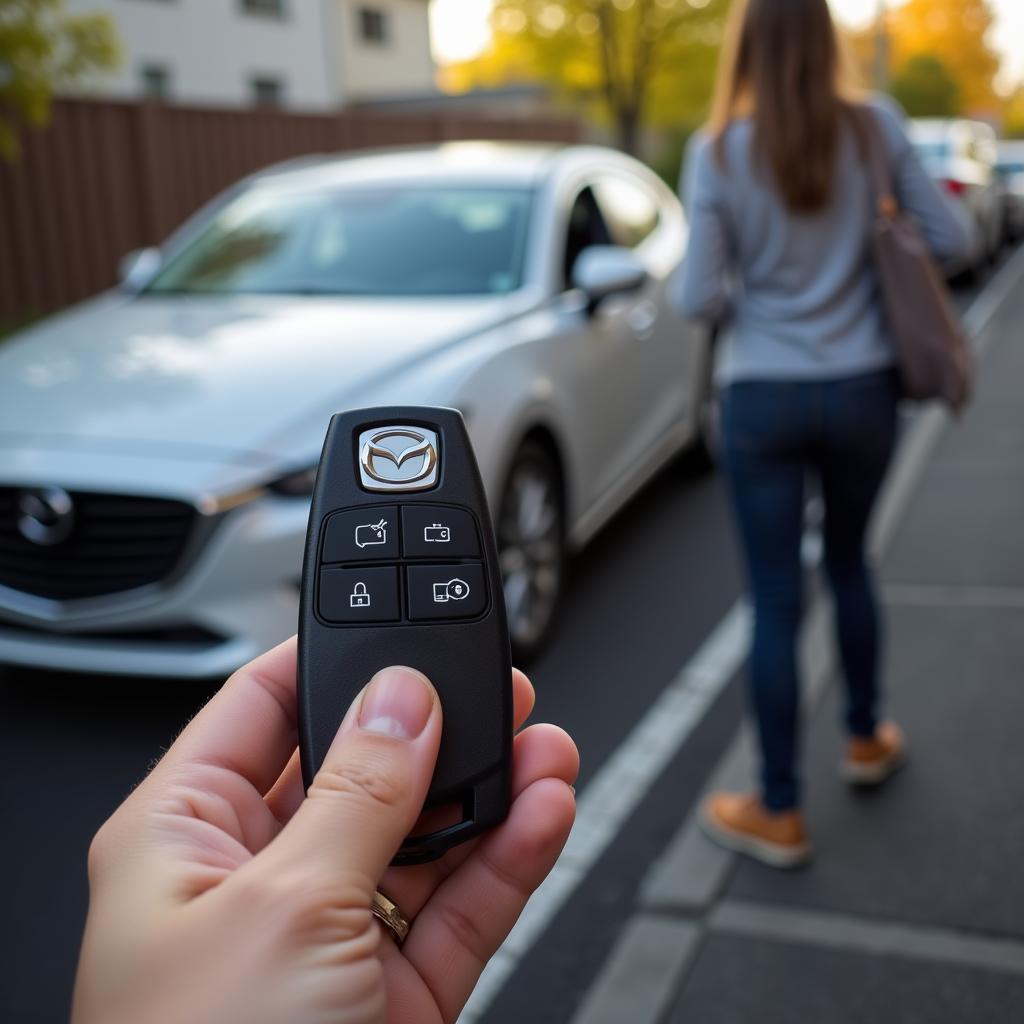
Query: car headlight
(295, 485)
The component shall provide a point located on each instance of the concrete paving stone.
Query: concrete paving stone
(691, 872)
(963, 524)
(738, 980)
(941, 843)
(868, 935)
(642, 973)
(964, 527)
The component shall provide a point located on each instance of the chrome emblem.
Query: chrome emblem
(46, 516)
(398, 459)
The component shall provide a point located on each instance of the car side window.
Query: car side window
(586, 227)
(630, 208)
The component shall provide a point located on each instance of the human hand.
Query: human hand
(221, 893)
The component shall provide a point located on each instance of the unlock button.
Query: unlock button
(359, 595)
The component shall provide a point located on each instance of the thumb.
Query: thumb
(370, 789)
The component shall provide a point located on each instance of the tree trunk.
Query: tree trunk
(628, 130)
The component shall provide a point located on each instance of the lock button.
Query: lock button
(359, 595)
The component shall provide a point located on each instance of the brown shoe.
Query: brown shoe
(869, 762)
(741, 822)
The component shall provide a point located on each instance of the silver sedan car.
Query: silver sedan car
(961, 156)
(158, 443)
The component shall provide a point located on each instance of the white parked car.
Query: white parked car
(158, 443)
(961, 156)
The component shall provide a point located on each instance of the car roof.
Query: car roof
(931, 128)
(925, 129)
(513, 164)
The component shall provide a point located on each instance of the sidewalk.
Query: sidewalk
(913, 909)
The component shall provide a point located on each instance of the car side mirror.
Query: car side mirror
(138, 268)
(605, 270)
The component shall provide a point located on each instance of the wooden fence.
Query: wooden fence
(105, 178)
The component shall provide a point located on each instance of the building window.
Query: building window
(156, 81)
(267, 91)
(373, 26)
(271, 8)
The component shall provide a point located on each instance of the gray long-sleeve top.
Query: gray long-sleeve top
(797, 296)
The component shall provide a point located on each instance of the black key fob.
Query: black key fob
(401, 568)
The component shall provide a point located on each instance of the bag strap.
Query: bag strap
(880, 172)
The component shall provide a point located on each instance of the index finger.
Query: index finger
(249, 726)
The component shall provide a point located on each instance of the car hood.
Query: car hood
(215, 378)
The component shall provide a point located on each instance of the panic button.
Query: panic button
(434, 531)
(446, 591)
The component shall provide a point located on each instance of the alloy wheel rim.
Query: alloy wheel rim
(530, 546)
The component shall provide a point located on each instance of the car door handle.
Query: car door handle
(643, 319)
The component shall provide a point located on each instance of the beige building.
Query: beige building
(296, 54)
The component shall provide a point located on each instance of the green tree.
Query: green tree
(955, 32)
(633, 63)
(1014, 117)
(43, 49)
(924, 88)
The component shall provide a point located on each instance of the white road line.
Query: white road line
(626, 777)
(619, 786)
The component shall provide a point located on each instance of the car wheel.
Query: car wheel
(974, 275)
(996, 247)
(703, 454)
(531, 547)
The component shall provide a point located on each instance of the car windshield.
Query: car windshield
(393, 241)
(932, 150)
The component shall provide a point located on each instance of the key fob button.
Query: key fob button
(359, 595)
(446, 591)
(364, 535)
(434, 531)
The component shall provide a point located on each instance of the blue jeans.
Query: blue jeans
(776, 434)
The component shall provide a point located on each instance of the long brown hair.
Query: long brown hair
(782, 64)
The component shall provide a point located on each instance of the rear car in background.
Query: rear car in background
(961, 155)
(158, 444)
(1011, 170)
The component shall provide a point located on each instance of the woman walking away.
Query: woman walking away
(781, 208)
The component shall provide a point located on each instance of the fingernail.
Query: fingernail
(397, 703)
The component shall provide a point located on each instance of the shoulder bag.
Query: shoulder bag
(932, 349)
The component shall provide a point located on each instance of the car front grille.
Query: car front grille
(185, 637)
(116, 543)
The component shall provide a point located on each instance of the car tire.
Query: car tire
(702, 455)
(530, 530)
(975, 274)
(996, 248)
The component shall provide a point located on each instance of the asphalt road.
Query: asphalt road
(639, 603)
